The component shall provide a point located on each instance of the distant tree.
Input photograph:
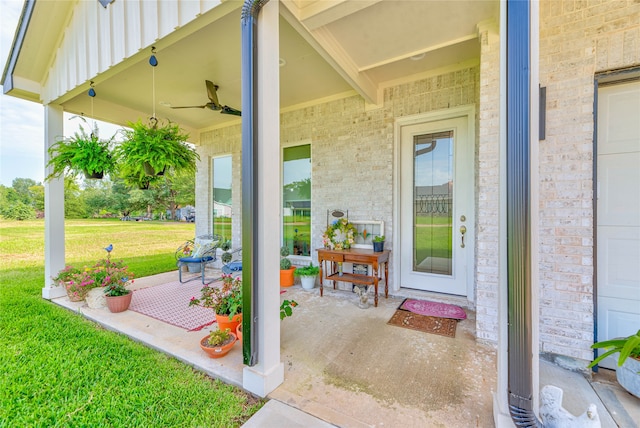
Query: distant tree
(74, 206)
(37, 193)
(15, 205)
(22, 186)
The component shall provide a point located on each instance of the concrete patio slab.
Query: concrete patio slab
(345, 366)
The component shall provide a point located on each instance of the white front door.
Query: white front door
(618, 212)
(436, 204)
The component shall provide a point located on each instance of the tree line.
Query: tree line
(85, 198)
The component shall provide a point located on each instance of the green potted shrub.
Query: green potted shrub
(628, 372)
(286, 270)
(307, 276)
(378, 243)
(148, 150)
(218, 343)
(82, 153)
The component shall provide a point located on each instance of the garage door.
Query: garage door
(618, 211)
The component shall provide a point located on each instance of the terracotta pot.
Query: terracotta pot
(286, 277)
(224, 322)
(239, 332)
(217, 351)
(119, 303)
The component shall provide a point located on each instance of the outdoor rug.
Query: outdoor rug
(433, 309)
(436, 325)
(170, 303)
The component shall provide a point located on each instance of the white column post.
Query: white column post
(54, 258)
(268, 373)
(501, 415)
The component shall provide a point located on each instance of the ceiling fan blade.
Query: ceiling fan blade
(212, 92)
(204, 106)
(230, 110)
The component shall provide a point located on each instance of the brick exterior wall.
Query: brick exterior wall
(488, 185)
(577, 40)
(352, 150)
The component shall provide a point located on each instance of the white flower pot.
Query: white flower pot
(308, 282)
(629, 376)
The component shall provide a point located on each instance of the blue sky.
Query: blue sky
(22, 122)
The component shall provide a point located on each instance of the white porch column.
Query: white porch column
(268, 373)
(53, 207)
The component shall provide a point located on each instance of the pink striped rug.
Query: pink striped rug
(170, 303)
(433, 309)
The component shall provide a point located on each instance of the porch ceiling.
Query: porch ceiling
(329, 48)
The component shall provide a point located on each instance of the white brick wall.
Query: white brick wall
(351, 148)
(577, 40)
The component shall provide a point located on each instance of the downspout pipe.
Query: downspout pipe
(520, 350)
(250, 208)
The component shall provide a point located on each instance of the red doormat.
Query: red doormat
(170, 303)
(433, 309)
(436, 325)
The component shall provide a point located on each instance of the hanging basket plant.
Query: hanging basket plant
(148, 150)
(82, 153)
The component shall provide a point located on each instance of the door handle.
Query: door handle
(463, 230)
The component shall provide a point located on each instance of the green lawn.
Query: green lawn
(58, 369)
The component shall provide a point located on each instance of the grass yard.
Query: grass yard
(58, 369)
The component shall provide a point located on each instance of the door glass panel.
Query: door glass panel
(433, 198)
(296, 199)
(222, 197)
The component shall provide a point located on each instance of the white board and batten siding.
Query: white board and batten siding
(96, 39)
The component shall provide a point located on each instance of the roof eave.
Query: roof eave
(8, 82)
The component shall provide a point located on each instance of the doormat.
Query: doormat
(441, 326)
(433, 309)
(170, 303)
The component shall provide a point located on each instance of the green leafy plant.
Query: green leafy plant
(310, 270)
(285, 263)
(378, 238)
(147, 151)
(224, 300)
(82, 153)
(219, 337)
(286, 308)
(627, 346)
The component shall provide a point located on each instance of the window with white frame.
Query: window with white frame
(296, 199)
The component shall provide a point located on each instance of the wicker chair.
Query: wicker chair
(195, 255)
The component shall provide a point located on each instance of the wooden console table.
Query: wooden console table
(355, 255)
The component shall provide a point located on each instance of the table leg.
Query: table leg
(321, 275)
(386, 280)
(375, 284)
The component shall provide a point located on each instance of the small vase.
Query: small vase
(308, 282)
(225, 323)
(378, 247)
(119, 303)
(217, 351)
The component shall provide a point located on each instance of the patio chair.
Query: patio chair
(195, 255)
(232, 262)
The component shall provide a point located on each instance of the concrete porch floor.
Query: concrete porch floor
(345, 366)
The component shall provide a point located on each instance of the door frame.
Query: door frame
(602, 79)
(468, 112)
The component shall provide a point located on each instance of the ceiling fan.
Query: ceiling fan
(213, 104)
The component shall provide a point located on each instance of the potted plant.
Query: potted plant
(70, 279)
(307, 276)
(82, 153)
(286, 270)
(378, 243)
(117, 295)
(218, 343)
(147, 151)
(225, 300)
(628, 372)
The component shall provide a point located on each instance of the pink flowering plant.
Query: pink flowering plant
(225, 299)
(112, 275)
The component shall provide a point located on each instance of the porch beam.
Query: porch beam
(54, 255)
(323, 12)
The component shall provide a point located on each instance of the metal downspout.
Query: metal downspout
(518, 217)
(249, 19)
